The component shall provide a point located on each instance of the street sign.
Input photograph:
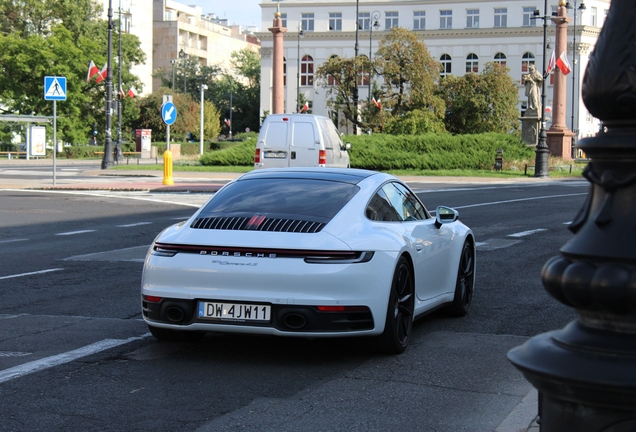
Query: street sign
(168, 113)
(54, 88)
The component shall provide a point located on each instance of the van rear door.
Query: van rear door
(275, 147)
(304, 150)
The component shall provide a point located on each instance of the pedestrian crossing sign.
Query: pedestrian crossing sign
(54, 88)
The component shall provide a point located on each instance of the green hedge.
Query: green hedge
(381, 152)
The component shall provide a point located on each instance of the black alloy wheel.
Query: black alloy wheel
(465, 282)
(399, 318)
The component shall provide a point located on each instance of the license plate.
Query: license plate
(234, 312)
(277, 155)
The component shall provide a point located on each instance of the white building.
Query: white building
(462, 34)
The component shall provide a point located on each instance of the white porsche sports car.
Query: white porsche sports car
(308, 252)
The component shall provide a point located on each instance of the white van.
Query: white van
(299, 140)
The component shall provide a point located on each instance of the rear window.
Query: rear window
(320, 199)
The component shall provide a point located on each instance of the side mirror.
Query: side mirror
(445, 215)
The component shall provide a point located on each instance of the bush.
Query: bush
(240, 154)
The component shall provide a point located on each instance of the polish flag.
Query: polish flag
(132, 92)
(92, 71)
(551, 63)
(377, 103)
(227, 122)
(563, 64)
(121, 93)
(305, 107)
(102, 74)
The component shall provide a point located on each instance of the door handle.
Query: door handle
(418, 247)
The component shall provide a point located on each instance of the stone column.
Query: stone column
(559, 136)
(278, 85)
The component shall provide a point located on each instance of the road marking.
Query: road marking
(13, 354)
(67, 357)
(12, 240)
(527, 233)
(133, 224)
(520, 200)
(74, 232)
(135, 254)
(30, 273)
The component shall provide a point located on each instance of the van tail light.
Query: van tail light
(322, 158)
(257, 156)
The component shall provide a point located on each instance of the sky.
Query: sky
(241, 12)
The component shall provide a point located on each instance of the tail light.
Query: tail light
(322, 157)
(257, 156)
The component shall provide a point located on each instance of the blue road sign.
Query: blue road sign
(168, 113)
(54, 88)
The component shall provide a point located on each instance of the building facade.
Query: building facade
(462, 35)
(184, 30)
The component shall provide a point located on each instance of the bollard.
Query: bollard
(167, 168)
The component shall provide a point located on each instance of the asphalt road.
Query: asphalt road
(75, 354)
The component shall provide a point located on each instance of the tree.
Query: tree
(478, 103)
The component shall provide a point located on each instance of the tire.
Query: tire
(465, 282)
(170, 335)
(399, 317)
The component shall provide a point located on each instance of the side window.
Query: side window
(412, 209)
(380, 208)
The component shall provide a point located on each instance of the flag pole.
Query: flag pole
(108, 161)
(120, 96)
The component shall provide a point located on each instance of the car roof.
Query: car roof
(346, 175)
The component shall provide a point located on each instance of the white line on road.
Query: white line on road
(133, 224)
(519, 200)
(12, 240)
(527, 233)
(49, 362)
(30, 273)
(74, 232)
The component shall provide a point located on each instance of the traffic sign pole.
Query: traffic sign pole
(54, 140)
(54, 90)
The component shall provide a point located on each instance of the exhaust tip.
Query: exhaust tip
(294, 321)
(175, 314)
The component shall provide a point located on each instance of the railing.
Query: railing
(9, 154)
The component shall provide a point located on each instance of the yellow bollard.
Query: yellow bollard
(167, 168)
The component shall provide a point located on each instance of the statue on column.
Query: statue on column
(533, 81)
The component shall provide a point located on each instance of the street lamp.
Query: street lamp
(375, 16)
(173, 63)
(108, 159)
(574, 63)
(541, 151)
(119, 155)
(203, 87)
(184, 57)
(355, 84)
(301, 33)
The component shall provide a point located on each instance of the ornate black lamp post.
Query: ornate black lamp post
(541, 151)
(355, 57)
(586, 372)
(108, 159)
(184, 57)
(373, 22)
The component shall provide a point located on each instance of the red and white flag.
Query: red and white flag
(102, 74)
(227, 122)
(121, 93)
(377, 103)
(305, 107)
(92, 71)
(563, 64)
(132, 92)
(551, 63)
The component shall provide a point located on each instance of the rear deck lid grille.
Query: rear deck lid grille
(258, 222)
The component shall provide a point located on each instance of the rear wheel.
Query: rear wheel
(399, 317)
(163, 334)
(465, 282)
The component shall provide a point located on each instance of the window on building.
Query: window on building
(472, 18)
(500, 58)
(527, 59)
(331, 80)
(446, 62)
(335, 21)
(126, 23)
(283, 17)
(593, 16)
(307, 71)
(307, 21)
(419, 20)
(364, 18)
(446, 19)
(363, 75)
(528, 13)
(501, 17)
(472, 63)
(391, 20)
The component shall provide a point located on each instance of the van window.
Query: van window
(304, 135)
(276, 134)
